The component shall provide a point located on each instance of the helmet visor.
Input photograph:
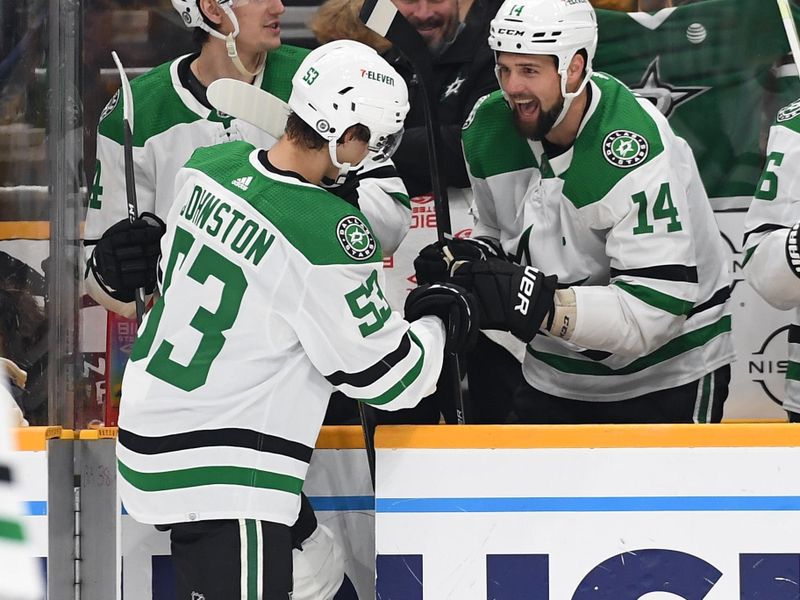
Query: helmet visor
(382, 148)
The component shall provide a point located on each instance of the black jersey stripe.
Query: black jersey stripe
(233, 437)
(766, 227)
(371, 374)
(597, 355)
(719, 297)
(794, 334)
(663, 272)
(5, 474)
(384, 172)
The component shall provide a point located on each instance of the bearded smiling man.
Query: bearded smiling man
(606, 232)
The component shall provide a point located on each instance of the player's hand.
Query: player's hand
(438, 261)
(456, 307)
(126, 257)
(510, 297)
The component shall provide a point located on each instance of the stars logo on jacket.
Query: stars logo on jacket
(625, 149)
(454, 87)
(355, 238)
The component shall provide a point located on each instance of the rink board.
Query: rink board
(604, 513)
(338, 485)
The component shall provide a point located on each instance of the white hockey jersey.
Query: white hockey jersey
(170, 123)
(271, 297)
(623, 218)
(773, 211)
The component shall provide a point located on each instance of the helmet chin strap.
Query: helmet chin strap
(230, 43)
(344, 168)
(569, 96)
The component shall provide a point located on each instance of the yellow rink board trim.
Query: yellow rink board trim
(27, 230)
(100, 433)
(34, 439)
(588, 436)
(342, 437)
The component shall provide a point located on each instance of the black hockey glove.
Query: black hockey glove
(510, 297)
(126, 257)
(435, 262)
(793, 249)
(457, 309)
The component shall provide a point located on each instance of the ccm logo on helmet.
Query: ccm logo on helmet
(526, 287)
(375, 76)
(504, 31)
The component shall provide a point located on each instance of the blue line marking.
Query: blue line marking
(339, 503)
(36, 508)
(596, 504)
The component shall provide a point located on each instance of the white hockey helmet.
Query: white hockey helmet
(554, 27)
(192, 16)
(344, 83)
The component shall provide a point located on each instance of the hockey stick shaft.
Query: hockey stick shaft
(130, 182)
(791, 31)
(382, 17)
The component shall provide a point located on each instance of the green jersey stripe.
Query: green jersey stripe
(660, 300)
(252, 559)
(793, 371)
(407, 379)
(199, 476)
(679, 345)
(748, 253)
(402, 199)
(11, 531)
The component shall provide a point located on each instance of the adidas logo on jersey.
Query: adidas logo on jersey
(242, 182)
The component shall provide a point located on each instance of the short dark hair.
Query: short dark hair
(303, 134)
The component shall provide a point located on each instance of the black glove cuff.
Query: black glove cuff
(792, 250)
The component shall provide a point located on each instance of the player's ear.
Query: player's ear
(211, 10)
(575, 71)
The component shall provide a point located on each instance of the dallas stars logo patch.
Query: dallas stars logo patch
(625, 149)
(789, 112)
(355, 238)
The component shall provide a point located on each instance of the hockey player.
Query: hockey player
(268, 276)
(241, 40)
(772, 257)
(582, 183)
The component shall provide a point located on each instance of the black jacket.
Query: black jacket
(462, 73)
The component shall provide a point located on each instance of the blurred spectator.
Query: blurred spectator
(463, 71)
(23, 337)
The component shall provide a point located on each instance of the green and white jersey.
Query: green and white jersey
(622, 217)
(20, 577)
(271, 297)
(714, 69)
(170, 123)
(774, 210)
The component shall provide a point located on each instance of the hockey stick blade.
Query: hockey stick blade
(130, 182)
(249, 103)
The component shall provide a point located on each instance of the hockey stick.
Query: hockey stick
(130, 182)
(791, 30)
(249, 103)
(382, 17)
